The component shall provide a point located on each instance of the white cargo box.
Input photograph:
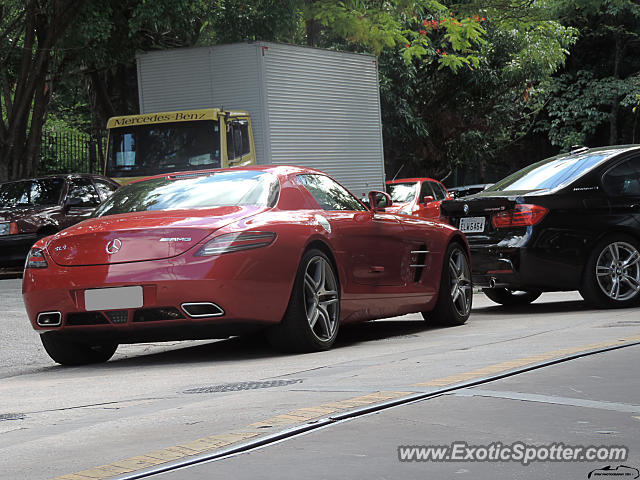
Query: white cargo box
(309, 107)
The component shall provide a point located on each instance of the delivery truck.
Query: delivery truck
(253, 103)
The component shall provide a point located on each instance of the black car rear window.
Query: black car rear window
(43, 191)
(548, 174)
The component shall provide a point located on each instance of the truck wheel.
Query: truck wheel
(66, 352)
(311, 321)
(456, 292)
(611, 278)
(511, 298)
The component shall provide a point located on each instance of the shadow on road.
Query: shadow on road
(534, 308)
(255, 346)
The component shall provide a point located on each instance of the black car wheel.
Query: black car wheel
(312, 318)
(66, 352)
(612, 275)
(511, 298)
(456, 293)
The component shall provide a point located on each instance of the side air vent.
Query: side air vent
(419, 256)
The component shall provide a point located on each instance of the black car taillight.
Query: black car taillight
(522, 215)
(36, 259)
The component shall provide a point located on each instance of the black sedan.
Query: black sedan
(33, 208)
(570, 222)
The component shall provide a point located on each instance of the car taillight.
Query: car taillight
(8, 228)
(234, 242)
(36, 259)
(522, 215)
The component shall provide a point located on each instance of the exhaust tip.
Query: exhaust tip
(202, 309)
(49, 319)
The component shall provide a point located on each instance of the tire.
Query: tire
(611, 277)
(311, 321)
(511, 298)
(66, 352)
(456, 291)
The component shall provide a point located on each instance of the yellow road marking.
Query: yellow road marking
(214, 442)
(520, 362)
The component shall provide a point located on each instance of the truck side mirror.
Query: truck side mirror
(427, 199)
(378, 201)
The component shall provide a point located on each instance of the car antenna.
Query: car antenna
(394, 177)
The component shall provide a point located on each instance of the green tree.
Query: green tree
(591, 100)
(437, 119)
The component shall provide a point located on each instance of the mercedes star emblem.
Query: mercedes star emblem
(114, 246)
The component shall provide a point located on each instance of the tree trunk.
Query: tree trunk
(615, 104)
(20, 135)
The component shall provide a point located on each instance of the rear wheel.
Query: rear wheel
(66, 352)
(312, 318)
(456, 293)
(612, 275)
(511, 298)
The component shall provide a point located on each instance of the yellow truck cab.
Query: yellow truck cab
(152, 143)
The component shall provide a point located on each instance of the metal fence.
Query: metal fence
(70, 153)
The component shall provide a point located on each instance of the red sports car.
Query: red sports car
(215, 253)
(417, 196)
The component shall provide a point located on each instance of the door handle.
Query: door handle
(375, 269)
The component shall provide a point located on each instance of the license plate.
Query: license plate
(472, 225)
(113, 298)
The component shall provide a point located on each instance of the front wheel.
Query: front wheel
(312, 318)
(456, 292)
(511, 298)
(612, 275)
(66, 352)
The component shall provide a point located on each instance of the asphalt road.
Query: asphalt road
(154, 404)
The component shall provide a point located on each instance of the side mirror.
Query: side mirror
(427, 199)
(378, 201)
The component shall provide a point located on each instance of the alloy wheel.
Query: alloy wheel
(618, 271)
(321, 298)
(460, 279)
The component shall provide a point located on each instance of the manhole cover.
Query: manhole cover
(11, 416)
(238, 386)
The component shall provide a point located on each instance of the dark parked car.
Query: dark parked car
(464, 190)
(33, 208)
(570, 222)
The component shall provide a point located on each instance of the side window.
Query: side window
(105, 189)
(623, 179)
(329, 194)
(426, 191)
(82, 189)
(438, 192)
(238, 139)
(443, 191)
(46, 191)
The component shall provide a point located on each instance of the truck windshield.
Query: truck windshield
(141, 150)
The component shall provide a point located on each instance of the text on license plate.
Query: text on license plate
(472, 225)
(113, 298)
